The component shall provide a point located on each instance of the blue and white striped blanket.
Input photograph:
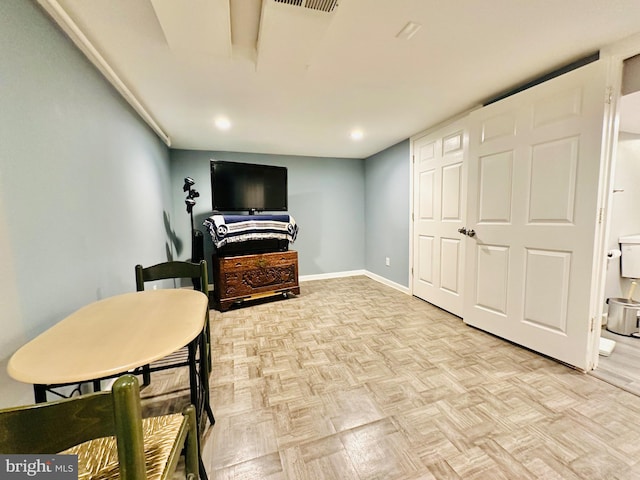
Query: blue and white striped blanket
(239, 228)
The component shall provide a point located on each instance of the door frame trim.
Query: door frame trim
(614, 55)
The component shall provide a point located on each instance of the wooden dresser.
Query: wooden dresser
(246, 277)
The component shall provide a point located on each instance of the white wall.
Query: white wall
(625, 210)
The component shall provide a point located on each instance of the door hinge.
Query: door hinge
(608, 95)
(413, 159)
(593, 324)
(600, 215)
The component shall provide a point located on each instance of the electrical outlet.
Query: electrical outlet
(387, 262)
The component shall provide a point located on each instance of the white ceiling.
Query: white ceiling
(292, 80)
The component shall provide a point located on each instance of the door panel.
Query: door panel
(501, 125)
(560, 106)
(427, 191)
(450, 255)
(533, 180)
(553, 181)
(439, 194)
(493, 269)
(496, 185)
(452, 193)
(425, 257)
(547, 289)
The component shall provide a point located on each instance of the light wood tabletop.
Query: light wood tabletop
(112, 336)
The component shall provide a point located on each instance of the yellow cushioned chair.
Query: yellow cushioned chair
(107, 432)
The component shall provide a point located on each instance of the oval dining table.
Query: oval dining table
(114, 336)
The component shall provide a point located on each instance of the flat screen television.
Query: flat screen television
(246, 187)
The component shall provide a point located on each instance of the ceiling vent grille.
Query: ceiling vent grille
(320, 5)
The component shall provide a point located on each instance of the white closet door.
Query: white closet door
(439, 210)
(534, 164)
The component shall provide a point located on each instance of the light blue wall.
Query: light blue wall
(326, 198)
(387, 207)
(86, 191)
(84, 184)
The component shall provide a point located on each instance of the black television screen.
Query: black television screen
(239, 187)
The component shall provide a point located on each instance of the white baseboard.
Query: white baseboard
(355, 273)
(326, 276)
(388, 282)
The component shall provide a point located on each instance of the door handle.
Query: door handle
(462, 231)
(471, 232)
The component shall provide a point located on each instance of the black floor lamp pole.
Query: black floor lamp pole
(190, 203)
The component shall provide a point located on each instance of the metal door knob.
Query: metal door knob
(464, 231)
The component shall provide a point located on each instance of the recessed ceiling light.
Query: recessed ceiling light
(357, 134)
(223, 123)
(409, 30)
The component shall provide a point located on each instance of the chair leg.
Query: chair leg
(194, 386)
(203, 472)
(193, 376)
(146, 375)
(192, 455)
(40, 393)
(210, 414)
(204, 377)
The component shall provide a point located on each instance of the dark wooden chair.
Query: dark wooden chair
(107, 432)
(178, 270)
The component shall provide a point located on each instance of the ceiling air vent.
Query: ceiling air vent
(321, 5)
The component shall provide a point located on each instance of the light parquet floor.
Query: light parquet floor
(355, 380)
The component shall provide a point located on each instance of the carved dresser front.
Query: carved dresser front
(251, 276)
